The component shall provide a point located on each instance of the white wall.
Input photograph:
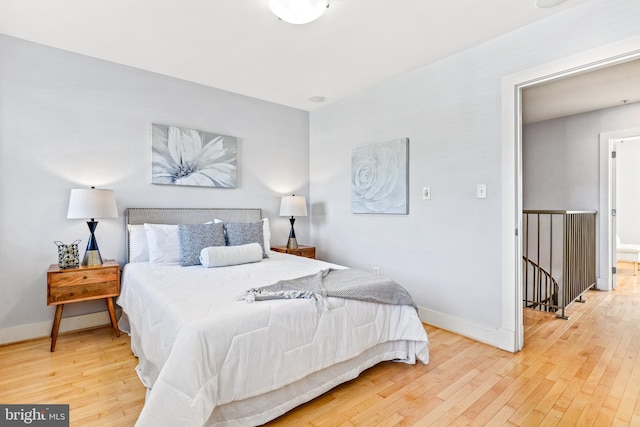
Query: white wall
(447, 251)
(69, 121)
(628, 190)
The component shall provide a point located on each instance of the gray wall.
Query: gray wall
(447, 251)
(70, 121)
(561, 158)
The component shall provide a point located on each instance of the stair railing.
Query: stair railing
(544, 290)
(559, 252)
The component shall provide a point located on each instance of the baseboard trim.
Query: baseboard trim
(503, 339)
(603, 284)
(43, 329)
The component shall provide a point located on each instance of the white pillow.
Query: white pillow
(164, 244)
(138, 246)
(266, 231)
(221, 256)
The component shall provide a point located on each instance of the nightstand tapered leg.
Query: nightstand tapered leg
(112, 315)
(56, 326)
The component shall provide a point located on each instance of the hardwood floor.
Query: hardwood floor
(578, 372)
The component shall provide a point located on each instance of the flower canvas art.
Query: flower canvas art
(380, 178)
(182, 156)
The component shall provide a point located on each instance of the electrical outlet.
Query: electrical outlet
(426, 193)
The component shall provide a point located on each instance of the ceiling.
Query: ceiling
(603, 88)
(239, 46)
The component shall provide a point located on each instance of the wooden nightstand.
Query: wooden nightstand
(303, 251)
(82, 284)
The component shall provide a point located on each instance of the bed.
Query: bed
(208, 357)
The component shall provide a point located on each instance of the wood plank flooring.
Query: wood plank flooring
(578, 372)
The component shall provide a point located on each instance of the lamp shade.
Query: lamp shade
(298, 11)
(92, 203)
(293, 206)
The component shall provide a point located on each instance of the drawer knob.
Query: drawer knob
(84, 277)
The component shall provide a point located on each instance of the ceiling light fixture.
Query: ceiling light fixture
(546, 4)
(317, 99)
(298, 11)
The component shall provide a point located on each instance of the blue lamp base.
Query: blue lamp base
(292, 243)
(92, 254)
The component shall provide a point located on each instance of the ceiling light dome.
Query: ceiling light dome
(298, 11)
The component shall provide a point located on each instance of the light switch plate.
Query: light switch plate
(482, 191)
(426, 193)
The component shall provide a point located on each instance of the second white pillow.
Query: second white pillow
(164, 244)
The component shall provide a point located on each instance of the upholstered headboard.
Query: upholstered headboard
(188, 216)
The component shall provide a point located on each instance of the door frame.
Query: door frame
(511, 210)
(606, 222)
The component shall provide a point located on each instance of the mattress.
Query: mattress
(207, 358)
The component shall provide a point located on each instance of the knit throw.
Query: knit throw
(340, 283)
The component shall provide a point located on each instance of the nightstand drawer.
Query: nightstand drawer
(82, 277)
(305, 252)
(81, 292)
(301, 250)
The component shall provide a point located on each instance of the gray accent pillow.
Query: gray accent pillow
(243, 233)
(195, 237)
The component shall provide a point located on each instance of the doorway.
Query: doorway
(619, 152)
(512, 87)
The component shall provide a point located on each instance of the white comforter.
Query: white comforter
(199, 348)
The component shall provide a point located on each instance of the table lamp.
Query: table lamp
(92, 203)
(293, 206)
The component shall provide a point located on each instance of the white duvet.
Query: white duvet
(200, 349)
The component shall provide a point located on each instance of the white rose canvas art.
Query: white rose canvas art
(183, 156)
(380, 178)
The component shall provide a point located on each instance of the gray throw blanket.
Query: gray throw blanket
(347, 283)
